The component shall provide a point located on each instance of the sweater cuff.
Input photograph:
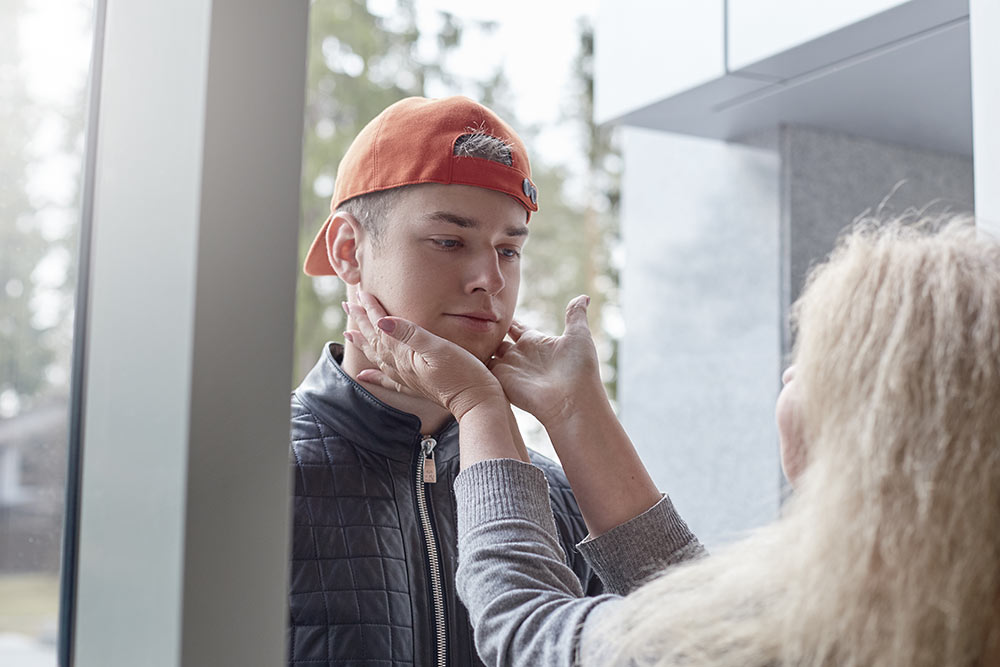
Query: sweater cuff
(632, 552)
(497, 489)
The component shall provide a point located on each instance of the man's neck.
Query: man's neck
(432, 416)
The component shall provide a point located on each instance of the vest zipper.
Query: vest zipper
(426, 473)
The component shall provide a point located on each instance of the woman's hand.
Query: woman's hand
(557, 379)
(549, 375)
(410, 357)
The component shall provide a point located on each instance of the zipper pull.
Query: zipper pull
(427, 444)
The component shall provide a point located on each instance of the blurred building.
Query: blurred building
(753, 132)
(32, 487)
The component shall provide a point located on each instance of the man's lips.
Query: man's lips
(477, 321)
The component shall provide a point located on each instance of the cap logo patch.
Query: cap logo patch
(530, 191)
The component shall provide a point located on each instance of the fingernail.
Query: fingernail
(586, 302)
(348, 337)
(343, 304)
(386, 325)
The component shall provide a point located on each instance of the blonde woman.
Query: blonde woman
(888, 551)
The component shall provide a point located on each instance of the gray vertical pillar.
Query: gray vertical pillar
(828, 179)
(185, 488)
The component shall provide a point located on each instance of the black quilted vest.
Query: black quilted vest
(361, 590)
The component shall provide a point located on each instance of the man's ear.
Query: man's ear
(343, 244)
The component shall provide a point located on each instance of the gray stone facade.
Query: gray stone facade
(718, 240)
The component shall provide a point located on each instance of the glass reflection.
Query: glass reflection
(44, 59)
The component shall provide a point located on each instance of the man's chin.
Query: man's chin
(480, 352)
(480, 345)
(481, 349)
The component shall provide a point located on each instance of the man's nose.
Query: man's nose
(485, 274)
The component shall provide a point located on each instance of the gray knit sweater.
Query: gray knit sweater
(525, 604)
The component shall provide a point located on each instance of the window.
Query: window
(44, 63)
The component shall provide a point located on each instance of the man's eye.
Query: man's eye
(446, 243)
(510, 253)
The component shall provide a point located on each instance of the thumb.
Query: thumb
(576, 316)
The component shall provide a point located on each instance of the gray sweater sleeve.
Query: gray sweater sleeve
(525, 604)
(631, 553)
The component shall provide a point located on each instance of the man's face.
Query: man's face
(449, 259)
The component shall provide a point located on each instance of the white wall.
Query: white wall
(761, 28)
(984, 26)
(700, 367)
(789, 62)
(645, 51)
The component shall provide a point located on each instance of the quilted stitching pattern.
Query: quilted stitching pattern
(350, 598)
(348, 577)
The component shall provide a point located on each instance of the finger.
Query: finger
(358, 340)
(371, 305)
(384, 362)
(576, 316)
(516, 330)
(374, 376)
(362, 321)
(368, 337)
(366, 346)
(407, 333)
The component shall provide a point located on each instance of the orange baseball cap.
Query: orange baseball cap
(413, 141)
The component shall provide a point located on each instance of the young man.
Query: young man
(429, 214)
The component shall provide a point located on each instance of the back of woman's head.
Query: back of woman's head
(898, 359)
(889, 548)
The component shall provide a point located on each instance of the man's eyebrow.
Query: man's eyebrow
(469, 223)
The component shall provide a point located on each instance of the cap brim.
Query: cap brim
(317, 260)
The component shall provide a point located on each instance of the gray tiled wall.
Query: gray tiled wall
(718, 239)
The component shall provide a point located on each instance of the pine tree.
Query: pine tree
(24, 349)
(359, 63)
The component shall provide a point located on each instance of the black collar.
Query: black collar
(352, 411)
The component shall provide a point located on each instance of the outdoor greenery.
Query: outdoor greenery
(38, 228)
(359, 63)
(24, 350)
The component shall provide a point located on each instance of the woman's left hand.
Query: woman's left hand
(408, 356)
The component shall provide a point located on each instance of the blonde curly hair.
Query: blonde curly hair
(888, 552)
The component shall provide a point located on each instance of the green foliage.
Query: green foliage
(24, 352)
(574, 237)
(39, 224)
(360, 63)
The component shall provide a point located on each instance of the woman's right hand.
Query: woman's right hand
(549, 376)
(411, 358)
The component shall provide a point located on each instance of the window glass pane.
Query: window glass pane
(366, 54)
(44, 60)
